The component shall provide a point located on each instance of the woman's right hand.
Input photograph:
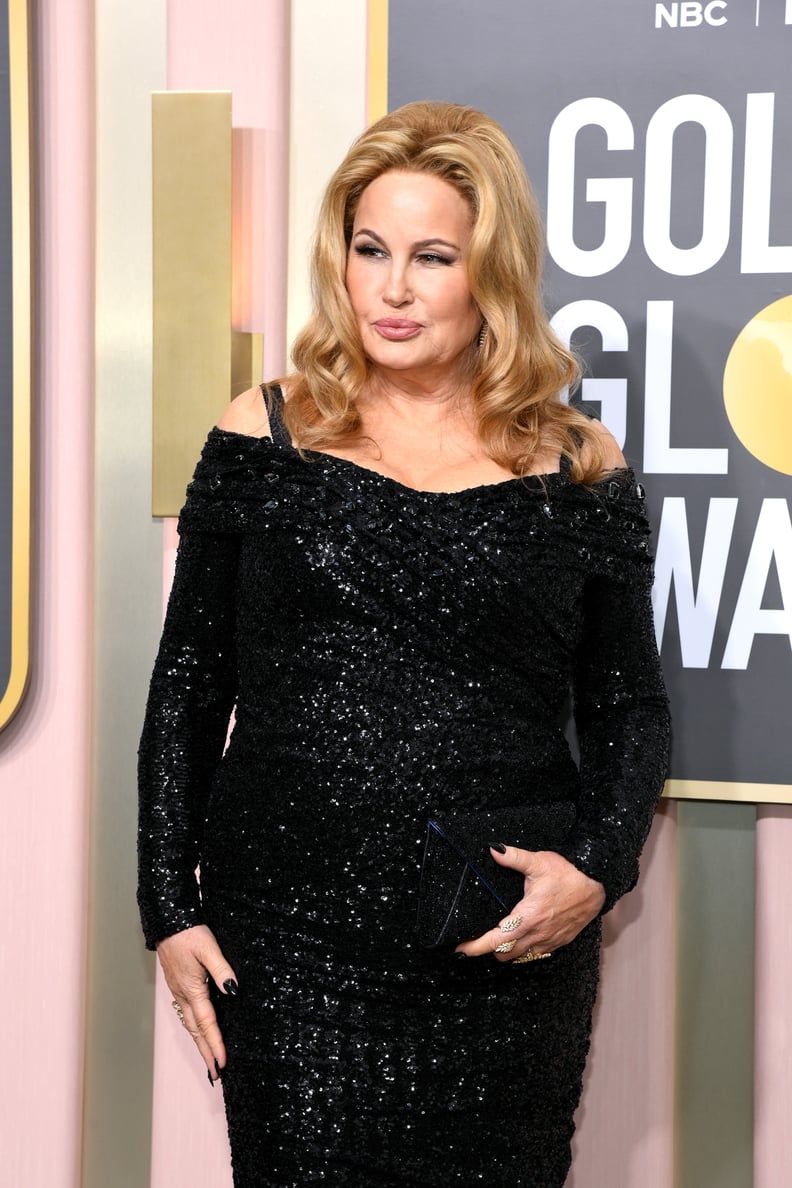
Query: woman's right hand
(189, 959)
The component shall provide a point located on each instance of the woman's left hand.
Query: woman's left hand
(559, 901)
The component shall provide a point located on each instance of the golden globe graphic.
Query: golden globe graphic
(757, 385)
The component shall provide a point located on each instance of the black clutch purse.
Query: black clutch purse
(463, 891)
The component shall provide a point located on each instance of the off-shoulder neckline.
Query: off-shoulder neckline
(538, 481)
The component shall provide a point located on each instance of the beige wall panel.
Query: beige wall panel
(130, 64)
(328, 110)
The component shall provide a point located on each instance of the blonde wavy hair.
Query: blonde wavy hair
(520, 366)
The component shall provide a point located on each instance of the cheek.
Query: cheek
(458, 297)
(463, 306)
(350, 276)
(349, 284)
(355, 287)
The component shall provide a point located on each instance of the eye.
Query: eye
(368, 249)
(434, 258)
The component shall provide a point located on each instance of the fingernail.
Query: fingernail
(230, 987)
(458, 953)
(219, 1071)
(499, 846)
(209, 1075)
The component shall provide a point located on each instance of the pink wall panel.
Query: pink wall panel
(773, 1003)
(626, 1119)
(243, 46)
(44, 752)
(189, 1143)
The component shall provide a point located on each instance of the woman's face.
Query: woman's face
(407, 276)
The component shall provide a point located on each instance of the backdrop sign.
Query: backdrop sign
(659, 140)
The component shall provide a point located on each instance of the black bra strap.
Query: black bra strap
(273, 398)
(565, 464)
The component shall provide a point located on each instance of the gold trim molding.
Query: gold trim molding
(744, 793)
(18, 42)
(377, 59)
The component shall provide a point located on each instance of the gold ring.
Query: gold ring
(530, 955)
(510, 924)
(506, 946)
(179, 1012)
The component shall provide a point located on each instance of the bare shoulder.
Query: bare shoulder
(246, 414)
(613, 457)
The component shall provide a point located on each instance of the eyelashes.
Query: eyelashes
(435, 258)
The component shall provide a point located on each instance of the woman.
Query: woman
(396, 568)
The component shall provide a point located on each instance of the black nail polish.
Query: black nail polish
(499, 846)
(457, 953)
(230, 987)
(219, 1071)
(209, 1075)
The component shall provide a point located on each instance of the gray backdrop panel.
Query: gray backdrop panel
(524, 63)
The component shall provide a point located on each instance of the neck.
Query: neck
(423, 395)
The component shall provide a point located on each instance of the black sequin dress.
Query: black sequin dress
(391, 652)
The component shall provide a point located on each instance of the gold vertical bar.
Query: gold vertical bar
(247, 361)
(192, 282)
(377, 59)
(715, 995)
(19, 88)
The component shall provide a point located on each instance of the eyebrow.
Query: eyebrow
(421, 243)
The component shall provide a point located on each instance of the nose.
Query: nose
(397, 288)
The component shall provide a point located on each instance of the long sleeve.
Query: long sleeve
(192, 693)
(620, 708)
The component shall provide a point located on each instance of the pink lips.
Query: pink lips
(397, 329)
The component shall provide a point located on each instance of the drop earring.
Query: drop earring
(482, 334)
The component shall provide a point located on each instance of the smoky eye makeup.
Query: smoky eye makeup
(435, 258)
(367, 249)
